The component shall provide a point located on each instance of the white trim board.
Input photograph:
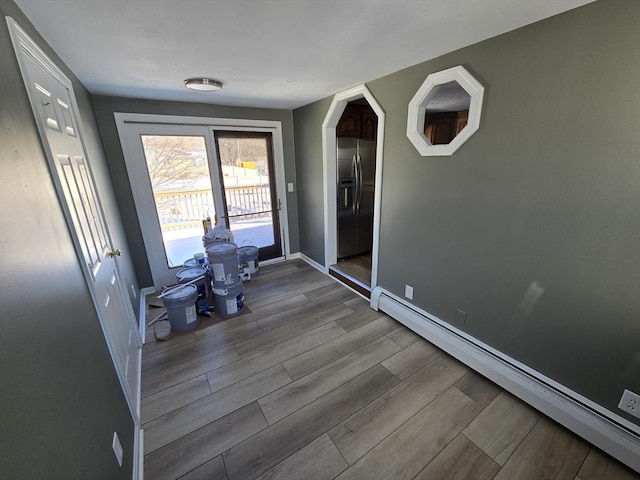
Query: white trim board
(143, 311)
(607, 431)
(312, 262)
(329, 171)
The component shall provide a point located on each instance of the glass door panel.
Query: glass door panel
(247, 177)
(178, 168)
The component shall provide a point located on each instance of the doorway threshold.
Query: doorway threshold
(351, 282)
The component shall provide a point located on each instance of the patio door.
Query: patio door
(183, 174)
(248, 181)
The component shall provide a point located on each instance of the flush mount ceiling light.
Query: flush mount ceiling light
(203, 84)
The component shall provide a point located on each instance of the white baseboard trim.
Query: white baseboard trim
(312, 262)
(271, 261)
(607, 431)
(138, 454)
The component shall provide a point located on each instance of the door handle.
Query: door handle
(354, 165)
(114, 253)
(359, 177)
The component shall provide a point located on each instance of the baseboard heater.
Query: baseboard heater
(607, 431)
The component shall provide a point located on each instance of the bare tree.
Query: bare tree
(174, 158)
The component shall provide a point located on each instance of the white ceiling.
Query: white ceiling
(268, 53)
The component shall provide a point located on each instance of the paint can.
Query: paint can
(180, 303)
(190, 274)
(192, 262)
(223, 264)
(248, 261)
(229, 301)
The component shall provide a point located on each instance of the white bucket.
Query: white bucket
(189, 274)
(199, 257)
(229, 301)
(248, 261)
(223, 264)
(180, 303)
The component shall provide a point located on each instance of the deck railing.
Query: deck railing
(187, 208)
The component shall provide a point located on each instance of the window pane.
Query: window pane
(245, 173)
(179, 172)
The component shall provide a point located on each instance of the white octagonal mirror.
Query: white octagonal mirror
(444, 112)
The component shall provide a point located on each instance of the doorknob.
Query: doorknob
(115, 253)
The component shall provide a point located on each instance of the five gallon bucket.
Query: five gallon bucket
(187, 275)
(223, 264)
(180, 303)
(229, 300)
(248, 261)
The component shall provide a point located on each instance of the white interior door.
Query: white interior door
(55, 110)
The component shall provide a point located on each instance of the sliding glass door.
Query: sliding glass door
(183, 174)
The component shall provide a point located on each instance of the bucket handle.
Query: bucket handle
(171, 289)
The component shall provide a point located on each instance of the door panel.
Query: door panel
(174, 183)
(178, 167)
(53, 104)
(367, 164)
(347, 189)
(249, 189)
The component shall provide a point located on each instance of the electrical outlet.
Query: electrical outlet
(289, 187)
(461, 317)
(117, 448)
(408, 292)
(630, 403)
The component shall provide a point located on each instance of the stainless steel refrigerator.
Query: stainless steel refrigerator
(356, 187)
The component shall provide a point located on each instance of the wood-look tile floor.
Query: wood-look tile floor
(310, 383)
(358, 267)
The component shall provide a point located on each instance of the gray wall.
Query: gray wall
(308, 135)
(105, 107)
(547, 192)
(60, 399)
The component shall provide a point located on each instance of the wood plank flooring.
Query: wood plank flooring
(310, 383)
(358, 267)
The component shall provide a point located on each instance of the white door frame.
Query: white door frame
(329, 156)
(271, 126)
(24, 45)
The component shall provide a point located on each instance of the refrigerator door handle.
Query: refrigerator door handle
(354, 167)
(359, 180)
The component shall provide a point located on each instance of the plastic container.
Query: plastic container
(180, 303)
(248, 261)
(192, 262)
(191, 273)
(229, 301)
(199, 257)
(223, 264)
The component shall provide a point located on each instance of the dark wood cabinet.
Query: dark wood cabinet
(442, 127)
(358, 121)
(369, 128)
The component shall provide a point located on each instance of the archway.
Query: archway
(329, 153)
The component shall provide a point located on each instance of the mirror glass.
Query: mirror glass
(446, 114)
